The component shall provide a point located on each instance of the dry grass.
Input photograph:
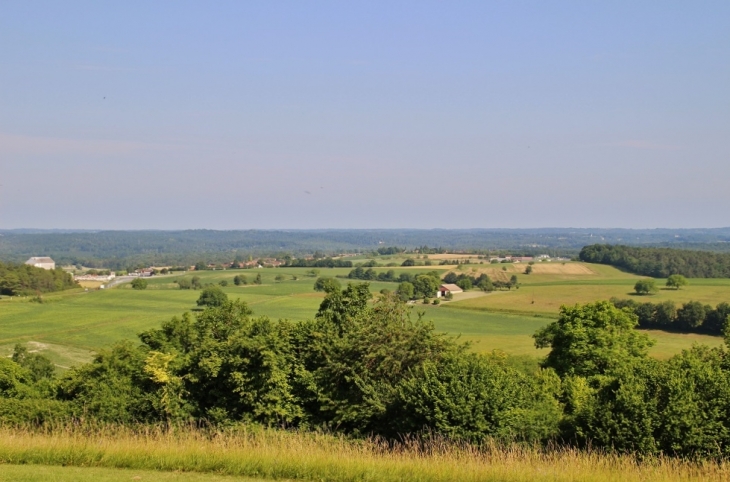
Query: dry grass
(575, 269)
(276, 454)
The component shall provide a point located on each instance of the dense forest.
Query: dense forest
(122, 249)
(691, 317)
(367, 367)
(23, 279)
(659, 262)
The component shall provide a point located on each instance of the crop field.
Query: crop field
(71, 325)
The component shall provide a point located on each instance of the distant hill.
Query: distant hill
(120, 249)
(659, 262)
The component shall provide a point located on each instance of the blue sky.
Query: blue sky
(239, 115)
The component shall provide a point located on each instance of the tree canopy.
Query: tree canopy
(212, 295)
(676, 281)
(659, 262)
(645, 287)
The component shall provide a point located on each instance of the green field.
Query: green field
(69, 326)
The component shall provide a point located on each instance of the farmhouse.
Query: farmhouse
(42, 262)
(448, 288)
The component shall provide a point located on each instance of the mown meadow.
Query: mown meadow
(70, 325)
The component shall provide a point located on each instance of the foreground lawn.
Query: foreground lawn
(272, 454)
(32, 473)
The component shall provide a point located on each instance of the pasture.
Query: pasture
(69, 326)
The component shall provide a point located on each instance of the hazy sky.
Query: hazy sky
(303, 114)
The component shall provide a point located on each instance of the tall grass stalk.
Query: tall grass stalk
(278, 454)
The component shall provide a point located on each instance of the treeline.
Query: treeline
(483, 282)
(23, 279)
(368, 368)
(410, 287)
(318, 263)
(659, 262)
(691, 317)
(463, 280)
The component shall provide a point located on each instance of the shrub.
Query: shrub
(645, 287)
(212, 296)
(139, 284)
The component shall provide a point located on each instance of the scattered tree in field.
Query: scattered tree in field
(139, 284)
(212, 296)
(513, 281)
(240, 279)
(676, 281)
(528, 269)
(223, 283)
(405, 291)
(195, 282)
(645, 287)
(257, 280)
(326, 284)
(279, 278)
(409, 262)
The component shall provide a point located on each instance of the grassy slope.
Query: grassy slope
(72, 324)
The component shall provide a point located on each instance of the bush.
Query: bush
(328, 285)
(475, 398)
(139, 284)
(212, 296)
(645, 287)
(184, 284)
(34, 412)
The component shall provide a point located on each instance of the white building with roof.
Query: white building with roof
(42, 262)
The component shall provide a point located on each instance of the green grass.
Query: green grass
(69, 326)
(33, 473)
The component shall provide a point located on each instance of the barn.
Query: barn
(42, 262)
(448, 288)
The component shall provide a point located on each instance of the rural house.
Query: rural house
(448, 288)
(42, 262)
